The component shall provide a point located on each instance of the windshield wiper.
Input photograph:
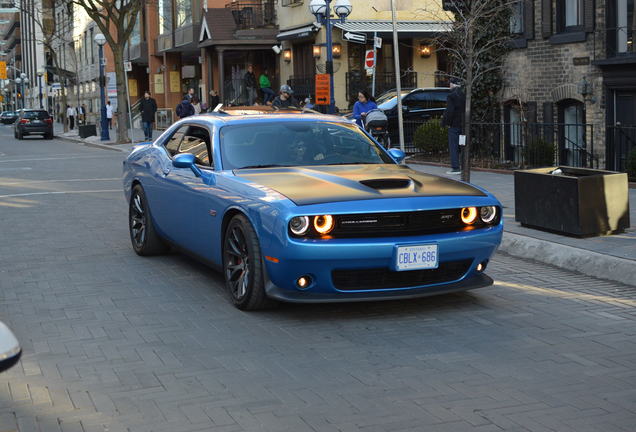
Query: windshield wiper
(261, 166)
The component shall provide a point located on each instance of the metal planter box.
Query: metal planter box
(580, 202)
(87, 130)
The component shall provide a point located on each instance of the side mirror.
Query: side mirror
(397, 154)
(186, 160)
(10, 350)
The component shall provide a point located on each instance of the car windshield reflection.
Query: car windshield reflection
(284, 144)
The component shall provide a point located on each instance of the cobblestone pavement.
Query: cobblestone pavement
(116, 342)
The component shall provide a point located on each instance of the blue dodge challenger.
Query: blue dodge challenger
(306, 208)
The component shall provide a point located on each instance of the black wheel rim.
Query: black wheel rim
(237, 269)
(137, 220)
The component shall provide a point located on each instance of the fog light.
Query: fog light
(303, 282)
(469, 215)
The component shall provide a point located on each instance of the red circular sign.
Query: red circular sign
(369, 60)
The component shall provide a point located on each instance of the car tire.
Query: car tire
(243, 266)
(19, 136)
(48, 136)
(145, 240)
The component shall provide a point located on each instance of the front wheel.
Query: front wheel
(144, 238)
(242, 265)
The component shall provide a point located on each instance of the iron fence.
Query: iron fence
(620, 146)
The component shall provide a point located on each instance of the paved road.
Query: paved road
(115, 342)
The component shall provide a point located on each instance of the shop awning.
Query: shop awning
(298, 33)
(404, 28)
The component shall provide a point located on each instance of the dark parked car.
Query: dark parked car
(418, 106)
(33, 122)
(8, 117)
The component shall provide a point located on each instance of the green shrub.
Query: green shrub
(630, 164)
(538, 153)
(431, 137)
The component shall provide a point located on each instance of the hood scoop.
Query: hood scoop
(388, 183)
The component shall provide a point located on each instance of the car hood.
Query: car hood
(333, 183)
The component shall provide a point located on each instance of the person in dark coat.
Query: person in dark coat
(250, 84)
(147, 108)
(214, 100)
(185, 108)
(454, 120)
(285, 99)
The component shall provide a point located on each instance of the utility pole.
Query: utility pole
(398, 83)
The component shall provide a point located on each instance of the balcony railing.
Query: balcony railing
(303, 86)
(252, 13)
(357, 81)
(186, 34)
(614, 42)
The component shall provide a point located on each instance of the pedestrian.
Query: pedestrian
(250, 84)
(286, 98)
(196, 104)
(213, 100)
(109, 114)
(71, 113)
(454, 119)
(185, 108)
(363, 105)
(84, 112)
(147, 108)
(190, 94)
(266, 87)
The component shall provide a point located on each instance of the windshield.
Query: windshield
(295, 143)
(388, 100)
(41, 115)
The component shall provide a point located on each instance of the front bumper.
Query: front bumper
(320, 258)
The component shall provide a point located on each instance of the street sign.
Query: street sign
(377, 42)
(323, 95)
(56, 86)
(3, 70)
(128, 66)
(369, 59)
(355, 37)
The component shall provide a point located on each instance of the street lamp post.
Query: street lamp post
(18, 87)
(322, 10)
(100, 40)
(23, 82)
(40, 74)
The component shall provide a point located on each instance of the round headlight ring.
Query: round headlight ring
(469, 215)
(299, 225)
(323, 224)
(488, 214)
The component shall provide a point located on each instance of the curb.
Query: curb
(570, 258)
(101, 146)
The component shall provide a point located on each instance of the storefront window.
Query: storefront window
(135, 37)
(165, 16)
(184, 12)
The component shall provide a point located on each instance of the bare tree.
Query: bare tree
(116, 20)
(470, 42)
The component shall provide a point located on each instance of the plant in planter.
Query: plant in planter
(538, 153)
(431, 138)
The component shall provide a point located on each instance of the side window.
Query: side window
(428, 100)
(172, 145)
(197, 142)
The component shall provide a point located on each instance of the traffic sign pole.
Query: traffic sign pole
(375, 36)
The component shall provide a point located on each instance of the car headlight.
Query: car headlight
(488, 214)
(299, 225)
(469, 215)
(323, 224)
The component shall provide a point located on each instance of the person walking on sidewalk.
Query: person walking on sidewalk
(266, 87)
(250, 84)
(71, 113)
(454, 119)
(147, 108)
(109, 114)
(185, 108)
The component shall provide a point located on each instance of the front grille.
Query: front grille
(383, 278)
(399, 224)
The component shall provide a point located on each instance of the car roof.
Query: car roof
(224, 118)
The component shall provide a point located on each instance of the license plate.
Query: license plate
(36, 121)
(416, 257)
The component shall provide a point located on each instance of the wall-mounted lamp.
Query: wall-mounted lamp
(316, 51)
(425, 50)
(336, 50)
(586, 89)
(287, 55)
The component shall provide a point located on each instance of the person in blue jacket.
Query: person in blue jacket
(365, 104)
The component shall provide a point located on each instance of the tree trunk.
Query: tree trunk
(467, 112)
(122, 97)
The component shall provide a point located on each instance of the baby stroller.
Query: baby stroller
(377, 124)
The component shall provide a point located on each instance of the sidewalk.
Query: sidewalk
(608, 257)
(95, 141)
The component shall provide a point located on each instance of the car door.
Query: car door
(193, 202)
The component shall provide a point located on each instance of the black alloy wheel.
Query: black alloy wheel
(144, 238)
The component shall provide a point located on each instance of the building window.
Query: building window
(570, 15)
(572, 132)
(514, 134)
(516, 18)
(625, 26)
(135, 37)
(184, 12)
(165, 16)
(92, 42)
